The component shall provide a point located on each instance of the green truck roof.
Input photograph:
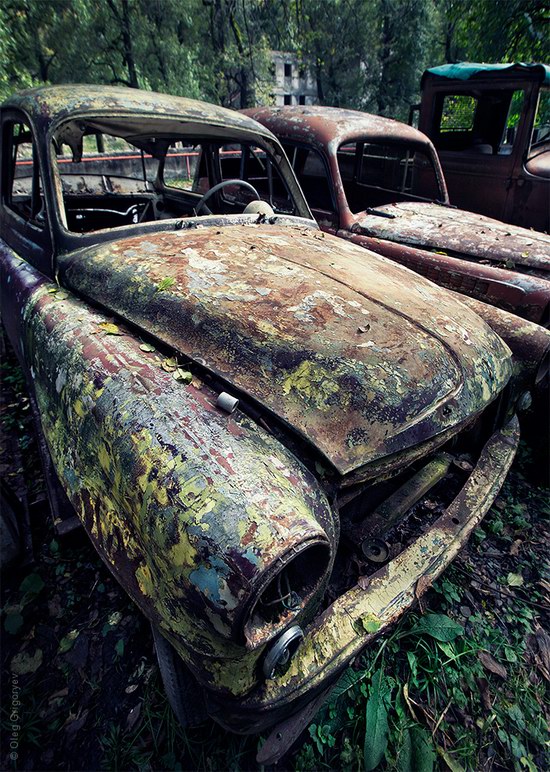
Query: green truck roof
(467, 70)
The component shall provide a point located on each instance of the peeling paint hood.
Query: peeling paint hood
(460, 233)
(361, 358)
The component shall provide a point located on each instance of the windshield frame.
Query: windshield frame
(68, 240)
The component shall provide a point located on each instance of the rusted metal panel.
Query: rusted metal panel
(358, 616)
(529, 343)
(467, 234)
(510, 179)
(324, 340)
(223, 524)
(500, 263)
(191, 509)
(332, 125)
(52, 105)
(522, 294)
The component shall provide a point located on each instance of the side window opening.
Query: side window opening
(482, 122)
(541, 128)
(181, 167)
(23, 190)
(107, 182)
(313, 176)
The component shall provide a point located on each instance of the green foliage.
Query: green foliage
(376, 721)
(438, 626)
(361, 55)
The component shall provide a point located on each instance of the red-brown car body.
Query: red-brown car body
(500, 264)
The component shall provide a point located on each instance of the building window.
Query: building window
(288, 70)
(302, 99)
(288, 99)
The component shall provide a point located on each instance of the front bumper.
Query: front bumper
(353, 621)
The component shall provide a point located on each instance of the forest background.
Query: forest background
(363, 54)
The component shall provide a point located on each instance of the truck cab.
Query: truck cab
(490, 124)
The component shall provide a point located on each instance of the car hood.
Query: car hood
(361, 358)
(460, 233)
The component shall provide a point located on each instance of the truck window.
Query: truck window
(485, 123)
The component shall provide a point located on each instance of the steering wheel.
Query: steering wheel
(221, 185)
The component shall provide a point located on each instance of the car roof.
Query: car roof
(468, 70)
(50, 105)
(322, 125)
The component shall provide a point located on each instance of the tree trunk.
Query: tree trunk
(128, 47)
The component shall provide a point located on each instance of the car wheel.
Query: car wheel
(184, 693)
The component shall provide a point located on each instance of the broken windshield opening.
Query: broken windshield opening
(125, 173)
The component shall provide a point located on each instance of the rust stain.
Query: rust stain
(283, 330)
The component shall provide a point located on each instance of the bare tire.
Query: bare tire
(184, 693)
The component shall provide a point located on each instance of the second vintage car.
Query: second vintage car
(379, 183)
(245, 414)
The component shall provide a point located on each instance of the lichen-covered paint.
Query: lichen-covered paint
(359, 615)
(166, 484)
(194, 510)
(51, 105)
(458, 232)
(299, 322)
(502, 264)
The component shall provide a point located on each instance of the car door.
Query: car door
(24, 222)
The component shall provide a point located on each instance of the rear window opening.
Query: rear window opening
(375, 174)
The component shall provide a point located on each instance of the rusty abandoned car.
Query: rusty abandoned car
(244, 413)
(490, 124)
(379, 183)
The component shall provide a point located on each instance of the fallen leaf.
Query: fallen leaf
(183, 375)
(165, 284)
(133, 717)
(515, 548)
(32, 584)
(67, 643)
(71, 726)
(490, 663)
(24, 662)
(130, 689)
(61, 295)
(514, 580)
(55, 608)
(13, 623)
(147, 347)
(110, 329)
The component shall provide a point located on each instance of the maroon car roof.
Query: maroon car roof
(321, 125)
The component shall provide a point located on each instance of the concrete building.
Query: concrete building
(294, 83)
